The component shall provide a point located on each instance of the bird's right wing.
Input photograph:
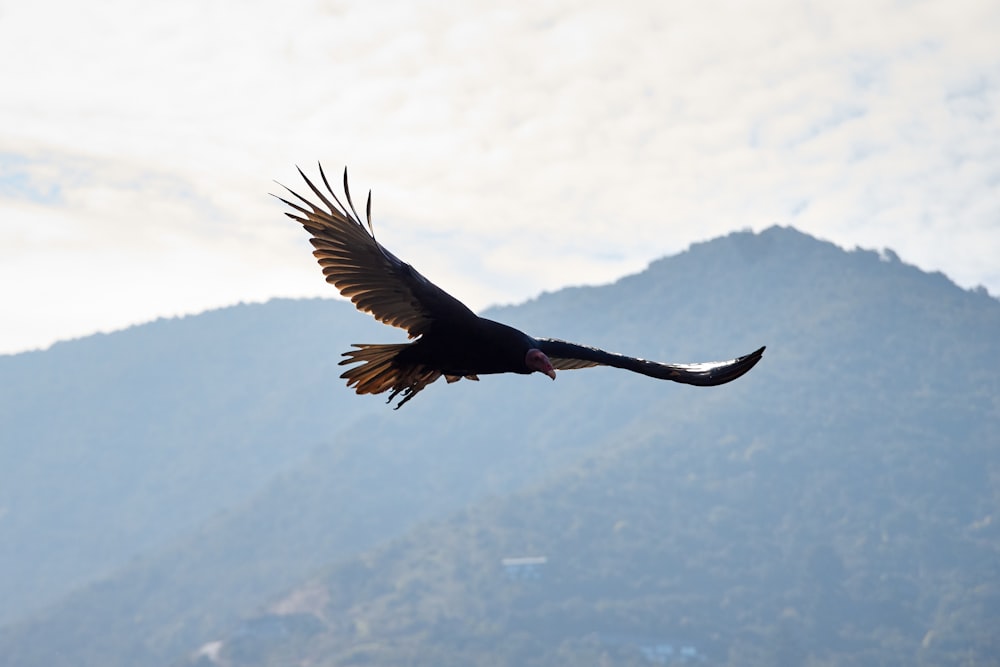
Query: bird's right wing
(568, 356)
(374, 279)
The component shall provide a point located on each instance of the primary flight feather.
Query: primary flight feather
(451, 340)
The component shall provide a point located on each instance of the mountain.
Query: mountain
(841, 511)
(835, 506)
(114, 445)
(726, 544)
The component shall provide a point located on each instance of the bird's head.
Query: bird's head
(536, 360)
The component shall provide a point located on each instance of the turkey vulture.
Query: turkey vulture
(451, 340)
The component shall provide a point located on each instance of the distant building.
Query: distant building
(666, 654)
(524, 568)
(689, 652)
(659, 653)
(656, 651)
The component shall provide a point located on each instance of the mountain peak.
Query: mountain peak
(801, 508)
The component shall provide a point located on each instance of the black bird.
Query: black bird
(451, 340)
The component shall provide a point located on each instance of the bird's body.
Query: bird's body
(479, 347)
(451, 340)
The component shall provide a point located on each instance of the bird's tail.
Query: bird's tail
(381, 371)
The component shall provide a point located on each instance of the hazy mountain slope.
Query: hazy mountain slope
(840, 510)
(113, 444)
(778, 548)
(457, 444)
(855, 344)
(460, 442)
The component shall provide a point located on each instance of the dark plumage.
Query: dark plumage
(451, 340)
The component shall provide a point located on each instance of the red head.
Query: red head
(537, 361)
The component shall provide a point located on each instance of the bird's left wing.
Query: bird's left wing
(364, 271)
(568, 356)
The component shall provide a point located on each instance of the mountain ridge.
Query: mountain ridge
(849, 327)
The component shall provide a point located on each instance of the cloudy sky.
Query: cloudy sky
(512, 147)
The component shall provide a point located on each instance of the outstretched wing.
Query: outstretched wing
(568, 356)
(374, 279)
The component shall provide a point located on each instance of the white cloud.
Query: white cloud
(510, 150)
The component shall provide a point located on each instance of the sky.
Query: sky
(512, 148)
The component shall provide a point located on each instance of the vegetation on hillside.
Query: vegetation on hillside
(838, 505)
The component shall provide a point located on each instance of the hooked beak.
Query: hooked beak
(537, 361)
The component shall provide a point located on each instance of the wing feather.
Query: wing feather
(571, 364)
(364, 271)
(569, 356)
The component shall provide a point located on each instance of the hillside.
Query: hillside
(802, 511)
(843, 512)
(774, 548)
(114, 445)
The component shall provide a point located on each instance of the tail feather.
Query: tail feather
(380, 371)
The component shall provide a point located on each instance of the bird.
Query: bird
(447, 338)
